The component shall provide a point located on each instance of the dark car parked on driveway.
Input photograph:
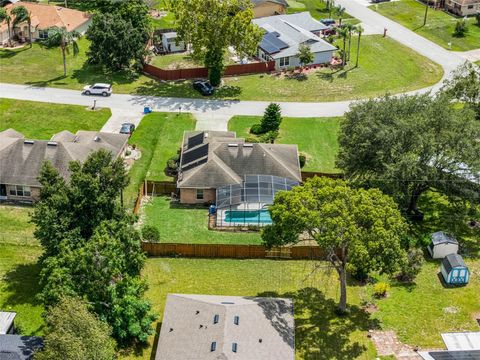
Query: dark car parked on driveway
(127, 128)
(203, 87)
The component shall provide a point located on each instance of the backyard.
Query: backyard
(440, 25)
(316, 138)
(385, 65)
(37, 120)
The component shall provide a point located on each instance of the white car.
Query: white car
(98, 89)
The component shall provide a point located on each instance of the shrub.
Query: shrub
(172, 164)
(477, 18)
(302, 159)
(381, 289)
(150, 234)
(272, 118)
(460, 28)
(413, 266)
(251, 139)
(256, 129)
(269, 137)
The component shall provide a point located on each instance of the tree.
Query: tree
(271, 118)
(407, 145)
(4, 16)
(305, 55)
(64, 39)
(91, 249)
(464, 86)
(477, 18)
(150, 233)
(461, 28)
(22, 15)
(211, 26)
(351, 28)
(339, 11)
(73, 333)
(343, 33)
(359, 30)
(354, 227)
(426, 13)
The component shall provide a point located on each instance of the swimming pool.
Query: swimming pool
(248, 217)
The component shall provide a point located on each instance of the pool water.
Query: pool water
(252, 217)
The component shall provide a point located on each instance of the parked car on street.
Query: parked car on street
(203, 87)
(127, 128)
(98, 89)
(327, 22)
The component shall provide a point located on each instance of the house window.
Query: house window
(42, 34)
(199, 194)
(20, 190)
(284, 61)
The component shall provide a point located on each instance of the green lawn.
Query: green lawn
(37, 120)
(185, 224)
(315, 137)
(19, 271)
(318, 10)
(385, 65)
(158, 136)
(439, 27)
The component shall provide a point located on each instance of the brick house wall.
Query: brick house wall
(189, 196)
(34, 195)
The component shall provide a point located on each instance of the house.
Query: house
(21, 159)
(43, 17)
(463, 7)
(262, 8)
(7, 322)
(454, 270)
(226, 327)
(285, 33)
(169, 42)
(213, 159)
(18, 347)
(442, 245)
(460, 346)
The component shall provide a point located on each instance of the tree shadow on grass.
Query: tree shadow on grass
(22, 284)
(45, 83)
(319, 332)
(9, 53)
(89, 74)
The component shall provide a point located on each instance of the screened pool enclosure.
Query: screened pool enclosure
(247, 203)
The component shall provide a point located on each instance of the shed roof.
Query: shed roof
(469, 340)
(18, 347)
(6, 320)
(259, 2)
(452, 261)
(450, 355)
(263, 330)
(440, 237)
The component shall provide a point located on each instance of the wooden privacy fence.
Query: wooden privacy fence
(232, 251)
(156, 188)
(309, 174)
(194, 73)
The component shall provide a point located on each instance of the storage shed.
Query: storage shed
(6, 322)
(454, 270)
(442, 245)
(169, 41)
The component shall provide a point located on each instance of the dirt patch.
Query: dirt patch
(387, 344)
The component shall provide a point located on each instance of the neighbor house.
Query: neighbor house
(226, 327)
(43, 17)
(463, 7)
(285, 33)
(21, 159)
(213, 159)
(262, 8)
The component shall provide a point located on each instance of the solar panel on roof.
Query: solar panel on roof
(273, 39)
(195, 140)
(268, 47)
(194, 154)
(194, 164)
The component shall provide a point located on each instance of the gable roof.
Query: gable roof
(45, 16)
(452, 261)
(292, 30)
(440, 237)
(214, 159)
(17, 347)
(6, 321)
(265, 328)
(21, 159)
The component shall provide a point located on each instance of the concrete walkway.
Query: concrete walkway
(471, 55)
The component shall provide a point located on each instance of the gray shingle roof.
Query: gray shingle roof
(229, 159)
(17, 347)
(259, 2)
(440, 237)
(452, 261)
(265, 328)
(295, 29)
(21, 161)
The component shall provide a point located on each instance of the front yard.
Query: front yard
(440, 25)
(316, 138)
(37, 120)
(385, 65)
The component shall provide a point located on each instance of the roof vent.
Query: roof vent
(29, 142)
(75, 139)
(206, 135)
(52, 143)
(171, 329)
(227, 303)
(248, 145)
(232, 145)
(197, 312)
(234, 347)
(236, 320)
(96, 138)
(260, 341)
(216, 318)
(213, 346)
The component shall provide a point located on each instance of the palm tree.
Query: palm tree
(4, 16)
(340, 11)
(22, 15)
(64, 39)
(351, 29)
(359, 30)
(343, 33)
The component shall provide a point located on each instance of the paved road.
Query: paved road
(214, 114)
